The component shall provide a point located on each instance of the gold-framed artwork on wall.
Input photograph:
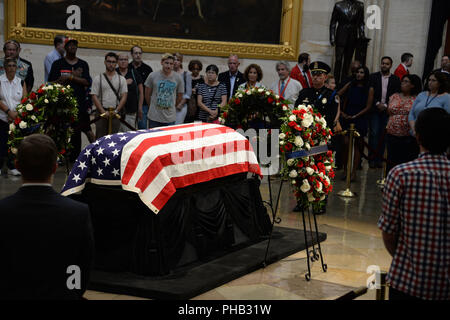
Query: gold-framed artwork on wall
(260, 29)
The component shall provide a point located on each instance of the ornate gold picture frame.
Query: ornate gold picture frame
(16, 28)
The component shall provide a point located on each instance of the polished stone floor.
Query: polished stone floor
(354, 243)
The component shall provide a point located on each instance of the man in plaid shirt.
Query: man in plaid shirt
(415, 219)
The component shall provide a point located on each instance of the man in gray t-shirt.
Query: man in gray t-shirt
(163, 92)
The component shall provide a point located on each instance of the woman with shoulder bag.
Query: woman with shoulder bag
(211, 96)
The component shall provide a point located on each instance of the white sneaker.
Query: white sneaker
(15, 172)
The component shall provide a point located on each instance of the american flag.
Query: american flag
(155, 163)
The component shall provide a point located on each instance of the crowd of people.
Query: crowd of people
(407, 114)
(382, 105)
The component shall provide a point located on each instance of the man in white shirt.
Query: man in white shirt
(109, 90)
(286, 87)
(56, 54)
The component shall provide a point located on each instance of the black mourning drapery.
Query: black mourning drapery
(440, 13)
(198, 223)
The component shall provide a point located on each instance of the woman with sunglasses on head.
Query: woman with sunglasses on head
(12, 91)
(253, 75)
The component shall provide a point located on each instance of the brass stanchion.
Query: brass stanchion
(382, 181)
(381, 292)
(347, 193)
(110, 112)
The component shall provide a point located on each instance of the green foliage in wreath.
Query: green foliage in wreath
(51, 110)
(252, 106)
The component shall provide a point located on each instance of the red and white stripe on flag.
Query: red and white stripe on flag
(156, 164)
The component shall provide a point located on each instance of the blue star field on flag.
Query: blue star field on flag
(99, 162)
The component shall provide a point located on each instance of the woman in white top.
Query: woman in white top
(12, 90)
(187, 79)
(253, 75)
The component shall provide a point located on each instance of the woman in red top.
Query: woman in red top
(401, 146)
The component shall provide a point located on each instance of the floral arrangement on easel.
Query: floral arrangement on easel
(253, 105)
(51, 110)
(304, 133)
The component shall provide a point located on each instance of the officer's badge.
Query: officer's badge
(324, 101)
(316, 65)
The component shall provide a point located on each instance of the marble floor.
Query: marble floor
(353, 244)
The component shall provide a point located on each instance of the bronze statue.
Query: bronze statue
(348, 15)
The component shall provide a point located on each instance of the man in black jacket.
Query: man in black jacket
(233, 77)
(46, 240)
(74, 71)
(384, 84)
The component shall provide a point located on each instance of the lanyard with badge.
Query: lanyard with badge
(427, 103)
(281, 93)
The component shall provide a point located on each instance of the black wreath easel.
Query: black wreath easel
(315, 253)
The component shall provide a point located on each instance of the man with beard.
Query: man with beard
(301, 71)
(384, 84)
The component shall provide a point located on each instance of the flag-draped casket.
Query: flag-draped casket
(165, 197)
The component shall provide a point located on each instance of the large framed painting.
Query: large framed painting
(264, 29)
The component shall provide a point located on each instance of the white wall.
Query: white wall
(404, 29)
(407, 31)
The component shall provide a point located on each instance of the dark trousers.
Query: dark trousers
(143, 124)
(400, 150)
(4, 128)
(377, 126)
(339, 147)
(5, 158)
(76, 143)
(82, 125)
(395, 294)
(155, 124)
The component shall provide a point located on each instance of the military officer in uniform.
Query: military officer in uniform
(319, 96)
(321, 99)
